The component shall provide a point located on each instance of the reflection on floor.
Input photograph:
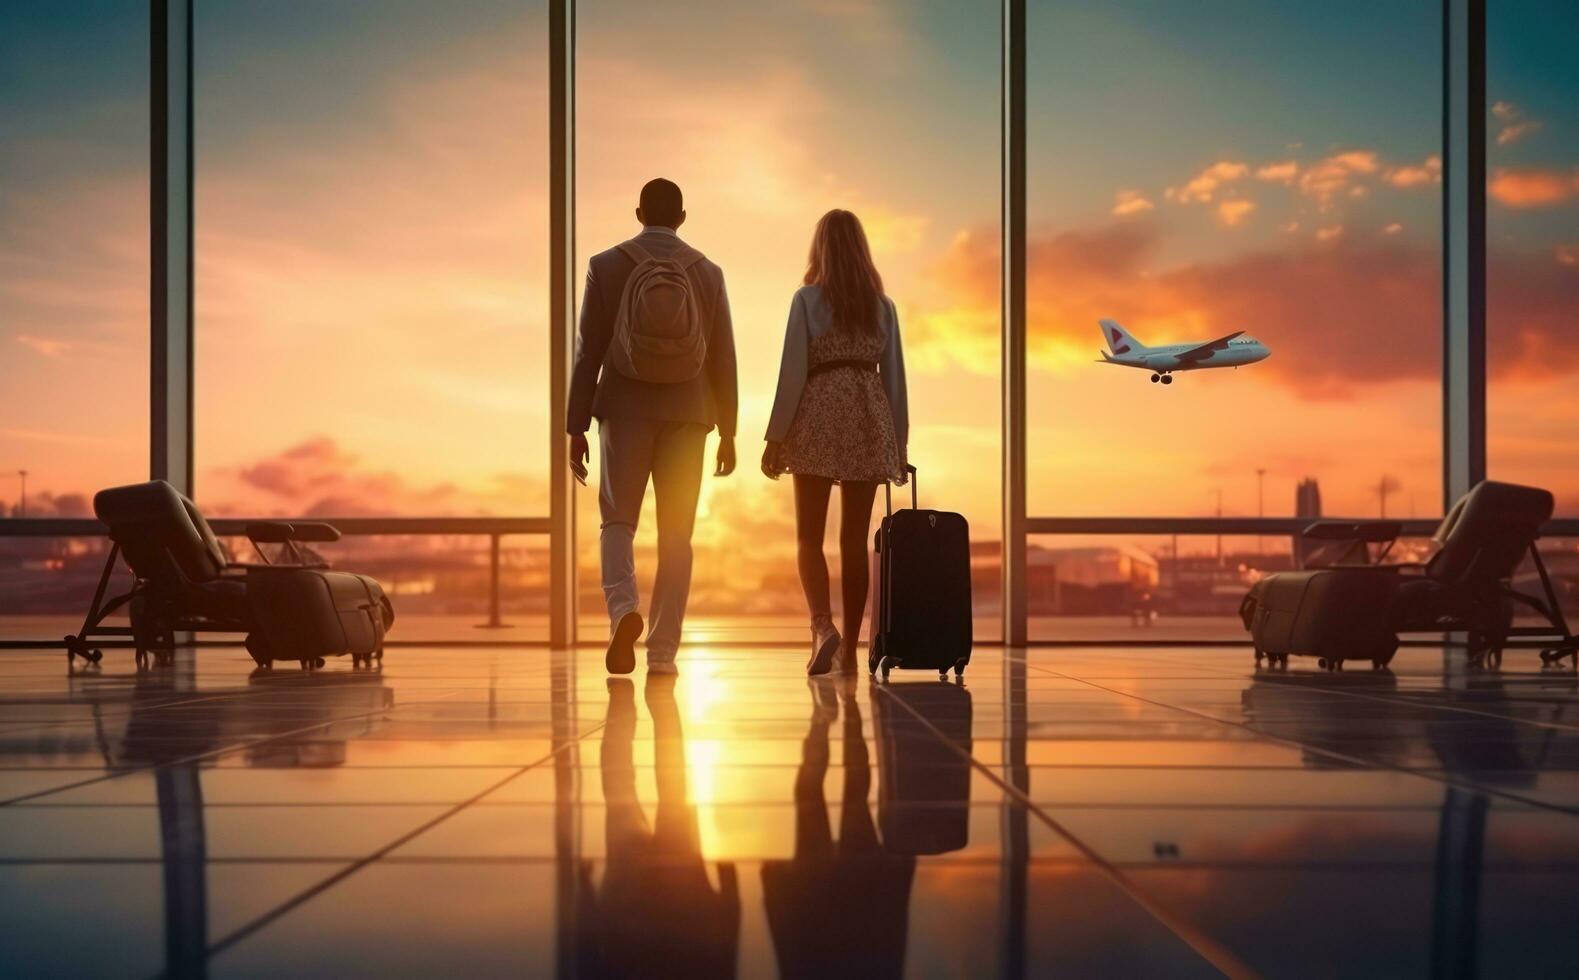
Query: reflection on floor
(1090, 812)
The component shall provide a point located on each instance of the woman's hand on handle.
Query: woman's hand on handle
(771, 467)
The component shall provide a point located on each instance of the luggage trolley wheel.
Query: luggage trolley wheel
(959, 667)
(885, 665)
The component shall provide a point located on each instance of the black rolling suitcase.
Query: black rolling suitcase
(923, 782)
(923, 612)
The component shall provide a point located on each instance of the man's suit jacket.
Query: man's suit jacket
(599, 391)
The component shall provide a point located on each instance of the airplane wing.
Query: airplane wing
(1206, 350)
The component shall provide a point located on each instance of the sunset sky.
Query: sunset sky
(371, 240)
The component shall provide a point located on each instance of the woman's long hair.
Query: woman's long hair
(841, 263)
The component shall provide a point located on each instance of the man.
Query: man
(651, 428)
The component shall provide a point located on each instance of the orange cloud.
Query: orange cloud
(1232, 213)
(1408, 175)
(1329, 233)
(1321, 308)
(1328, 177)
(1515, 126)
(1283, 172)
(1393, 228)
(45, 346)
(1531, 187)
(1127, 202)
(319, 477)
(1516, 132)
(1203, 185)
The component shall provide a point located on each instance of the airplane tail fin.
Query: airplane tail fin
(1119, 340)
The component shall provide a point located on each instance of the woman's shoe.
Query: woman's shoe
(824, 644)
(844, 661)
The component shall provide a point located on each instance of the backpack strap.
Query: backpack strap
(635, 252)
(686, 256)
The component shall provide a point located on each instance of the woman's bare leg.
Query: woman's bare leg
(855, 522)
(811, 520)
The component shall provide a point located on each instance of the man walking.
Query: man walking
(655, 365)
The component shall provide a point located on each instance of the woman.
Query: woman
(840, 416)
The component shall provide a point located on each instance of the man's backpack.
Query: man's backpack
(660, 333)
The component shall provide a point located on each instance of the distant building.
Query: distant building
(1110, 580)
(1307, 505)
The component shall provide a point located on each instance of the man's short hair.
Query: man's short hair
(661, 203)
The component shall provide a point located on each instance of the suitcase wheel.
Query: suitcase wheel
(1273, 660)
(886, 664)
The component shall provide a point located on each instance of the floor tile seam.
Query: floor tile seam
(1350, 760)
(197, 757)
(928, 861)
(262, 921)
(1218, 956)
(1504, 806)
(1407, 702)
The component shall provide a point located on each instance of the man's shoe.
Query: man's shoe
(661, 665)
(621, 657)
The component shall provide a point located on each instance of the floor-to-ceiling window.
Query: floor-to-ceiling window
(1532, 263)
(1532, 246)
(767, 116)
(371, 280)
(1195, 171)
(73, 286)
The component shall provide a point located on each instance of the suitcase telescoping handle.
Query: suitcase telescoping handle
(888, 492)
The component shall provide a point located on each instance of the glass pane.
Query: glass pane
(1532, 245)
(774, 115)
(1140, 588)
(73, 252)
(1199, 170)
(371, 257)
(73, 287)
(441, 584)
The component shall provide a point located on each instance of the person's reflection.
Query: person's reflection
(657, 913)
(838, 908)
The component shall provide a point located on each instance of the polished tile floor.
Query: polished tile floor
(1079, 812)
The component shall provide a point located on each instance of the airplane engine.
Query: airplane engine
(1162, 362)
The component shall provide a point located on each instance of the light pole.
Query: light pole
(1260, 506)
(1219, 492)
(1384, 486)
(21, 507)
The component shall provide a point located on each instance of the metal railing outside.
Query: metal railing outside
(494, 528)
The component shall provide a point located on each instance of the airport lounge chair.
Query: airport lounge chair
(291, 608)
(1356, 607)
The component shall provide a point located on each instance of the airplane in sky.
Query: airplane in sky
(1233, 350)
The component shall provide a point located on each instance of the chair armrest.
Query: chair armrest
(315, 532)
(250, 567)
(269, 532)
(1371, 532)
